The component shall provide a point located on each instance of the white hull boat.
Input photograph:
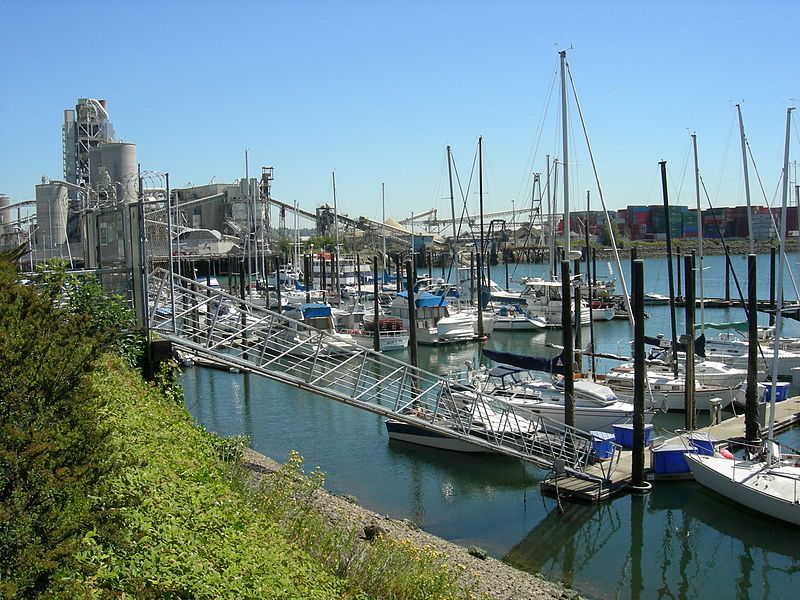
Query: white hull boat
(734, 353)
(771, 489)
(667, 392)
(597, 407)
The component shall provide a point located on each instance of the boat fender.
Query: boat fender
(726, 453)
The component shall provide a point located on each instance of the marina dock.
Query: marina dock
(787, 413)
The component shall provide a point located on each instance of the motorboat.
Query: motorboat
(434, 322)
(424, 427)
(666, 391)
(734, 352)
(597, 407)
(317, 316)
(543, 299)
(391, 333)
(510, 317)
(603, 311)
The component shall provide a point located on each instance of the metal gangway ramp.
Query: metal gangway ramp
(210, 323)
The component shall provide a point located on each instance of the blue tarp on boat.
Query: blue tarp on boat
(311, 311)
(425, 299)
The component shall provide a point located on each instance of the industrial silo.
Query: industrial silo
(119, 160)
(51, 214)
(5, 213)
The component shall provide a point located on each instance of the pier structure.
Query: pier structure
(728, 434)
(208, 323)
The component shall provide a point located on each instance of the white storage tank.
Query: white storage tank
(5, 215)
(51, 214)
(114, 164)
(119, 160)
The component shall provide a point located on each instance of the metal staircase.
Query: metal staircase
(208, 322)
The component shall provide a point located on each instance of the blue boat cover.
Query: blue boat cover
(425, 299)
(532, 363)
(315, 310)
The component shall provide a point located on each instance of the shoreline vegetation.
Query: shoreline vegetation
(109, 488)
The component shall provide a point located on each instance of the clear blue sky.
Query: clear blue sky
(377, 90)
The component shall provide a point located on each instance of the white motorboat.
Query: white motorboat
(667, 392)
(603, 311)
(707, 372)
(509, 317)
(484, 423)
(543, 299)
(434, 322)
(318, 316)
(391, 334)
(734, 352)
(597, 407)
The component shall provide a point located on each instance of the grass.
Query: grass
(179, 521)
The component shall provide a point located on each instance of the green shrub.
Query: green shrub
(53, 442)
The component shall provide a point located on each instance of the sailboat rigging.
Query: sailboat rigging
(768, 482)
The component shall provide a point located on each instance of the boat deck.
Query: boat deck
(787, 413)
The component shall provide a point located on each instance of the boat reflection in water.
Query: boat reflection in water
(678, 542)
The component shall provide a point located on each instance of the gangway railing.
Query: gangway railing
(208, 322)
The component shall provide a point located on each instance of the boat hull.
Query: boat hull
(773, 491)
(406, 432)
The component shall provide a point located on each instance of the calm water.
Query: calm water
(678, 542)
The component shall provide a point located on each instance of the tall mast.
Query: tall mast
(383, 233)
(296, 240)
(565, 150)
(670, 275)
(551, 242)
(335, 259)
(779, 283)
(452, 199)
(746, 181)
(253, 211)
(700, 235)
(480, 255)
(480, 202)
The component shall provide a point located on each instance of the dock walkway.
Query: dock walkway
(787, 413)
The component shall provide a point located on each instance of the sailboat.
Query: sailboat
(768, 480)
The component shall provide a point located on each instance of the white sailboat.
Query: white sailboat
(769, 481)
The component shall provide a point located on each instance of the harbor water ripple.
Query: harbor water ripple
(680, 541)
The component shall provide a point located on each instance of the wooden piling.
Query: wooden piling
(412, 315)
(376, 335)
(567, 353)
(751, 425)
(639, 373)
(690, 413)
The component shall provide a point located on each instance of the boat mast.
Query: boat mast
(779, 283)
(746, 180)
(480, 255)
(335, 259)
(296, 240)
(452, 199)
(670, 276)
(700, 236)
(480, 208)
(565, 150)
(383, 234)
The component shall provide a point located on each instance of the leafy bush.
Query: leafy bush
(53, 443)
(109, 316)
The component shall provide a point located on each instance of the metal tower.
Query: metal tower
(85, 127)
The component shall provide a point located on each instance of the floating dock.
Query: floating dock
(787, 413)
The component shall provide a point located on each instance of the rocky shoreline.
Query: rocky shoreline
(496, 579)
